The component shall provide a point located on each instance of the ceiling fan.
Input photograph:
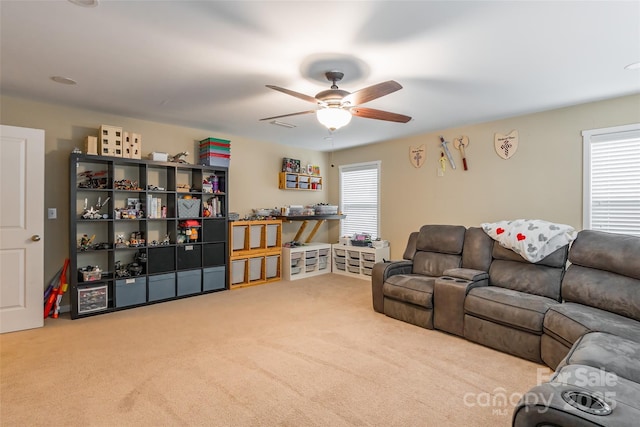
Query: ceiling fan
(337, 106)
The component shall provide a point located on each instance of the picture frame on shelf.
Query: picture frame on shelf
(290, 165)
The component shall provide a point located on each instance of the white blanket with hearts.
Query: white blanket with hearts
(532, 239)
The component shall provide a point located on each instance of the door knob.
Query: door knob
(35, 238)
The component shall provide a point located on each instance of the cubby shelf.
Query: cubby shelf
(299, 181)
(142, 217)
(255, 252)
(357, 261)
(309, 260)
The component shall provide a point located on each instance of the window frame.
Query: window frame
(377, 165)
(609, 134)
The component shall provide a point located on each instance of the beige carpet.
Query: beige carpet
(304, 353)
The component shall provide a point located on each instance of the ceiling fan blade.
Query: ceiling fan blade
(287, 115)
(372, 92)
(293, 93)
(371, 113)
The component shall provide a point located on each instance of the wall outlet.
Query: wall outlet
(52, 213)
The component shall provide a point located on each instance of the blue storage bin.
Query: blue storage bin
(162, 286)
(131, 291)
(214, 278)
(189, 282)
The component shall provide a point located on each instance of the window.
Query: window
(611, 182)
(359, 198)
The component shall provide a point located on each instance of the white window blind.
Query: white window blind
(612, 179)
(359, 198)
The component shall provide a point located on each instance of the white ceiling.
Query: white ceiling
(205, 64)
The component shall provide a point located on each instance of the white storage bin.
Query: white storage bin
(238, 267)
(272, 235)
(255, 239)
(368, 256)
(367, 264)
(273, 266)
(255, 268)
(239, 234)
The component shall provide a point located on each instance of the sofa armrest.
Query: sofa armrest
(380, 273)
(473, 278)
(466, 274)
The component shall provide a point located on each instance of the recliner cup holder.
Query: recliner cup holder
(587, 402)
(446, 278)
(461, 281)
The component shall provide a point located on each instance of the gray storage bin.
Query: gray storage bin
(162, 286)
(237, 270)
(131, 291)
(189, 282)
(272, 235)
(255, 238)
(239, 233)
(213, 278)
(273, 264)
(255, 268)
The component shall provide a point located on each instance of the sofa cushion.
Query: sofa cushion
(477, 248)
(410, 288)
(446, 239)
(606, 351)
(617, 253)
(410, 250)
(525, 277)
(603, 289)
(568, 321)
(557, 258)
(433, 263)
(507, 307)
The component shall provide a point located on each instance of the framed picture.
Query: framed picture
(290, 165)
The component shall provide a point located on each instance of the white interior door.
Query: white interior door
(21, 228)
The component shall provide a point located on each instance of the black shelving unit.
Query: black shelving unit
(155, 232)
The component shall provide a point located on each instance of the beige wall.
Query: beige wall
(542, 180)
(253, 172)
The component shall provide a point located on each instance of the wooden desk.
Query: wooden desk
(319, 219)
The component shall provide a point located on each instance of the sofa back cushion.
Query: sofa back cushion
(476, 252)
(604, 273)
(438, 248)
(509, 270)
(617, 253)
(410, 250)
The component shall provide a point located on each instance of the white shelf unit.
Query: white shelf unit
(309, 260)
(356, 261)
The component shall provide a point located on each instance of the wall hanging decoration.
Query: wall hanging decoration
(443, 164)
(445, 148)
(417, 155)
(460, 144)
(506, 145)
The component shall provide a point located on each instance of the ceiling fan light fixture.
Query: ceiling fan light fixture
(333, 117)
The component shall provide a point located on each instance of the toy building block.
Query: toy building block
(136, 146)
(91, 145)
(111, 141)
(126, 151)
